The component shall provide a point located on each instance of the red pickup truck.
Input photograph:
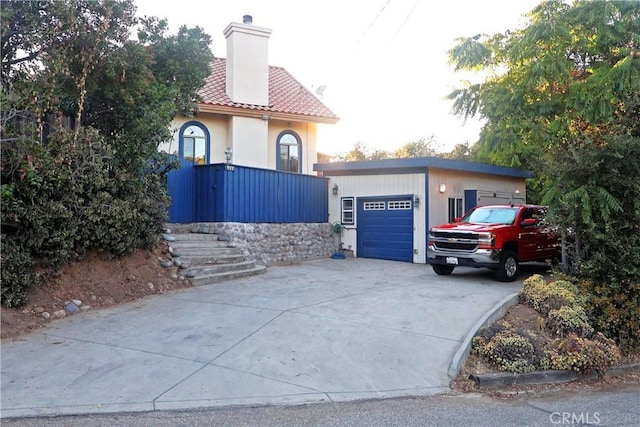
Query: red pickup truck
(498, 237)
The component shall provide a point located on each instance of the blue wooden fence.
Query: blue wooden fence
(180, 186)
(223, 193)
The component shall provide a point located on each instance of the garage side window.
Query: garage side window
(455, 208)
(346, 216)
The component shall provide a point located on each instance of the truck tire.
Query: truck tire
(508, 268)
(442, 270)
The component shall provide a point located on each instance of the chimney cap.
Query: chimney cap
(247, 19)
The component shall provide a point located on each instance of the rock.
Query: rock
(93, 298)
(183, 266)
(45, 315)
(190, 275)
(77, 302)
(166, 264)
(59, 314)
(175, 254)
(85, 308)
(38, 310)
(71, 308)
(150, 286)
(169, 238)
(174, 276)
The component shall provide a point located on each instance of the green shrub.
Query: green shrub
(18, 276)
(67, 197)
(614, 310)
(551, 303)
(569, 320)
(543, 296)
(510, 350)
(581, 354)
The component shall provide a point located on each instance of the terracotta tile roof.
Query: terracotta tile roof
(286, 95)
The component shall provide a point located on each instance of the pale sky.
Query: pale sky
(383, 62)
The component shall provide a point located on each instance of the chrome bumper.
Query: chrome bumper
(478, 258)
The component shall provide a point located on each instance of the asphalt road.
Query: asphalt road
(617, 406)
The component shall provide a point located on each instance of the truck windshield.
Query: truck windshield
(491, 215)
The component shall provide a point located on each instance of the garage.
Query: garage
(386, 206)
(385, 228)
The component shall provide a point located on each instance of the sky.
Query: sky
(383, 62)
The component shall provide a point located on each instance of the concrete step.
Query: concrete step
(228, 275)
(195, 260)
(184, 245)
(190, 237)
(178, 228)
(199, 270)
(206, 251)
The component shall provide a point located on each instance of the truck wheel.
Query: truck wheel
(508, 268)
(442, 270)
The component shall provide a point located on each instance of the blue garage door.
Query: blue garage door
(385, 228)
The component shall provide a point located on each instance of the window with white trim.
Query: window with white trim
(194, 142)
(397, 205)
(455, 208)
(373, 206)
(346, 215)
(289, 152)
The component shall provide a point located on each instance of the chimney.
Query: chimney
(247, 62)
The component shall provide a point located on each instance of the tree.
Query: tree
(562, 98)
(361, 152)
(460, 152)
(424, 147)
(84, 107)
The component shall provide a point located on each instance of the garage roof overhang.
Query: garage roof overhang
(415, 165)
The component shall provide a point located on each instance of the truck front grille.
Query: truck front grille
(455, 241)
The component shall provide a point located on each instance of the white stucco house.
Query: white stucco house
(252, 114)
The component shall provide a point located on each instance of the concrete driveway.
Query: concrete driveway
(323, 330)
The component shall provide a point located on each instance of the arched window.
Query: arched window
(289, 152)
(194, 142)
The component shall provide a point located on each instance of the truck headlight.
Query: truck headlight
(487, 239)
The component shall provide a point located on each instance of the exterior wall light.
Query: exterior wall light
(228, 155)
(334, 190)
(416, 201)
(443, 188)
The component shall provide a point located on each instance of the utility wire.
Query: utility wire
(372, 23)
(406, 19)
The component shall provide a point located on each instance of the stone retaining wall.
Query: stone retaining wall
(275, 243)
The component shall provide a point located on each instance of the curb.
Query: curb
(490, 317)
(500, 379)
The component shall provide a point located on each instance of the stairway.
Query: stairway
(208, 258)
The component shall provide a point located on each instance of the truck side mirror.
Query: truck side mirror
(528, 222)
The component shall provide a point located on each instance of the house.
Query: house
(252, 114)
(247, 156)
(386, 206)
